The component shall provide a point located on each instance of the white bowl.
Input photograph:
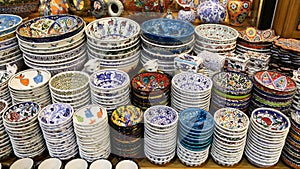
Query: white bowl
(25, 163)
(101, 164)
(127, 164)
(77, 164)
(51, 163)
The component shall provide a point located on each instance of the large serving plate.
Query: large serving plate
(9, 23)
(254, 35)
(50, 28)
(288, 44)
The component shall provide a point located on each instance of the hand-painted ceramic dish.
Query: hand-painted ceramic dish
(288, 44)
(8, 23)
(231, 119)
(271, 119)
(254, 35)
(113, 31)
(161, 116)
(197, 119)
(21, 112)
(29, 79)
(232, 83)
(126, 116)
(4, 76)
(50, 28)
(55, 114)
(89, 115)
(109, 79)
(167, 31)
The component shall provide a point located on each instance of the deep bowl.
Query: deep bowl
(161, 116)
(50, 28)
(254, 35)
(9, 23)
(167, 31)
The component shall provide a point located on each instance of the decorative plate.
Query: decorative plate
(167, 31)
(55, 114)
(192, 82)
(275, 81)
(271, 119)
(231, 82)
(8, 23)
(197, 119)
(161, 116)
(29, 79)
(126, 116)
(21, 112)
(150, 81)
(89, 115)
(252, 34)
(109, 79)
(288, 44)
(231, 119)
(50, 28)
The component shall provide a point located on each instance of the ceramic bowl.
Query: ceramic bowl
(77, 163)
(113, 31)
(58, 27)
(55, 114)
(288, 44)
(167, 31)
(26, 163)
(90, 115)
(9, 23)
(215, 46)
(53, 163)
(102, 163)
(255, 35)
(161, 116)
(216, 34)
(120, 116)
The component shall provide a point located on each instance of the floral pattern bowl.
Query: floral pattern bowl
(232, 83)
(167, 31)
(126, 116)
(50, 28)
(161, 116)
(55, 114)
(254, 35)
(8, 23)
(113, 31)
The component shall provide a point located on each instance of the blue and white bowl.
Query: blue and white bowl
(9, 23)
(161, 116)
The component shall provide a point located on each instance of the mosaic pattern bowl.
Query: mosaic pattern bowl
(9, 23)
(161, 116)
(255, 35)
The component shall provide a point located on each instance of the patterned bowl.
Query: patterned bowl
(50, 28)
(90, 115)
(216, 34)
(55, 114)
(9, 23)
(167, 31)
(161, 116)
(3, 107)
(113, 31)
(126, 116)
(232, 83)
(253, 35)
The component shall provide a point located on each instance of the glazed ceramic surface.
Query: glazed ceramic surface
(126, 116)
(50, 28)
(288, 44)
(189, 63)
(150, 81)
(89, 115)
(21, 112)
(231, 119)
(255, 35)
(55, 114)
(161, 115)
(109, 79)
(197, 119)
(4, 76)
(186, 15)
(238, 10)
(237, 62)
(211, 11)
(167, 31)
(8, 23)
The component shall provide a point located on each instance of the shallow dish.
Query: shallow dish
(55, 114)
(21, 113)
(254, 35)
(90, 115)
(9, 23)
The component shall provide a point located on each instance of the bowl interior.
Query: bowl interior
(21, 112)
(150, 81)
(216, 32)
(231, 81)
(161, 116)
(196, 118)
(109, 79)
(8, 23)
(252, 34)
(55, 113)
(69, 81)
(231, 119)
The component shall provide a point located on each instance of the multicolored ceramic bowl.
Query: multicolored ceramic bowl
(254, 35)
(126, 116)
(9, 23)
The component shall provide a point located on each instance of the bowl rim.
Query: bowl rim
(164, 126)
(14, 26)
(51, 105)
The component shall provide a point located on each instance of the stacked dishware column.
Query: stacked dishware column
(4, 90)
(6, 148)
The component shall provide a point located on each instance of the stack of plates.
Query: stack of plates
(114, 42)
(58, 48)
(195, 136)
(5, 149)
(231, 90)
(162, 39)
(56, 123)
(230, 134)
(71, 87)
(110, 88)
(190, 90)
(9, 49)
(94, 144)
(30, 85)
(266, 137)
(127, 131)
(21, 124)
(149, 89)
(4, 90)
(215, 38)
(272, 89)
(291, 151)
(160, 134)
(285, 55)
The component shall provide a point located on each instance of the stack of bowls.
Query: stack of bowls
(71, 87)
(231, 90)
(4, 90)
(9, 49)
(5, 149)
(114, 42)
(127, 131)
(54, 43)
(110, 88)
(291, 151)
(194, 136)
(273, 90)
(190, 90)
(230, 134)
(163, 39)
(95, 143)
(56, 123)
(21, 124)
(30, 85)
(266, 137)
(149, 89)
(215, 38)
(160, 134)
